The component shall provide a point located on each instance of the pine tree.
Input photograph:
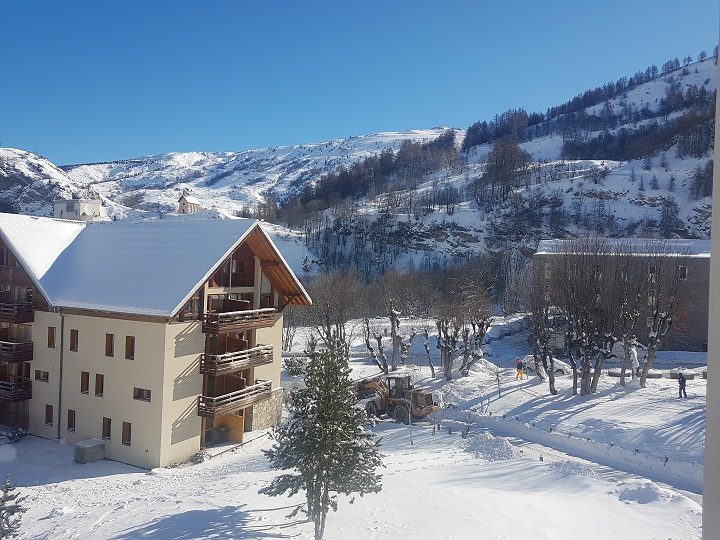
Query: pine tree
(663, 161)
(11, 510)
(633, 176)
(671, 184)
(654, 184)
(642, 184)
(647, 163)
(324, 441)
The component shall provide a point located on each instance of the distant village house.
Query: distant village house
(77, 209)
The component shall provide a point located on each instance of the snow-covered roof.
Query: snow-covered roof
(142, 268)
(637, 246)
(190, 199)
(45, 239)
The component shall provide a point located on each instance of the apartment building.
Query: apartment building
(691, 258)
(159, 337)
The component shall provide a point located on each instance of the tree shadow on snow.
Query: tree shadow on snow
(226, 522)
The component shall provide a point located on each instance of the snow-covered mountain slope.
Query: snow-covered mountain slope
(30, 183)
(558, 197)
(228, 181)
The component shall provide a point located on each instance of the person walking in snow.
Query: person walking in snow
(520, 369)
(681, 385)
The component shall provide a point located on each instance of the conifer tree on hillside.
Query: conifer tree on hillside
(11, 509)
(324, 442)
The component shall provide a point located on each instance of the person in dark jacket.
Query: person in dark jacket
(681, 385)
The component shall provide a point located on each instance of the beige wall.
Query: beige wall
(271, 336)
(711, 492)
(182, 384)
(45, 359)
(121, 376)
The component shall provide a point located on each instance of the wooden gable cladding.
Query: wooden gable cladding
(12, 274)
(280, 276)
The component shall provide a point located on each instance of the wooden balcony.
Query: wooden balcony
(218, 364)
(17, 312)
(16, 389)
(215, 323)
(11, 351)
(210, 407)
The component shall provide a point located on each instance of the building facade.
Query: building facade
(711, 482)
(689, 258)
(158, 337)
(77, 209)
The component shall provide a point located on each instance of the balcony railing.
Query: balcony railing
(17, 312)
(214, 323)
(210, 407)
(16, 389)
(11, 351)
(217, 364)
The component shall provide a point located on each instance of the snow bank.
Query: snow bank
(485, 446)
(683, 475)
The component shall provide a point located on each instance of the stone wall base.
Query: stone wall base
(268, 413)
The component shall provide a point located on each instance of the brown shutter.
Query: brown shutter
(99, 384)
(84, 382)
(48, 415)
(129, 347)
(51, 337)
(73, 340)
(71, 420)
(126, 433)
(109, 344)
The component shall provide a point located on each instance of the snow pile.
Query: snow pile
(485, 446)
(562, 469)
(643, 492)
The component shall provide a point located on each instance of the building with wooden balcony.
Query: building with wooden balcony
(159, 337)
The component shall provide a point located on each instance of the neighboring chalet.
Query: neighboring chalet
(187, 204)
(77, 209)
(157, 336)
(689, 330)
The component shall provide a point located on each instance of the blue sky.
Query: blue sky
(93, 81)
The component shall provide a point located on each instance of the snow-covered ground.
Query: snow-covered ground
(434, 486)
(600, 472)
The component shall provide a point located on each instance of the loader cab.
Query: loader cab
(398, 385)
(422, 398)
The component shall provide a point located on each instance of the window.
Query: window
(71, 420)
(48, 415)
(73, 340)
(649, 322)
(130, 347)
(99, 384)
(267, 301)
(682, 271)
(84, 382)
(652, 274)
(109, 344)
(42, 376)
(3, 257)
(142, 394)
(106, 429)
(51, 337)
(127, 433)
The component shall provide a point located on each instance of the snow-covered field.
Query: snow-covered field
(511, 478)
(434, 486)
